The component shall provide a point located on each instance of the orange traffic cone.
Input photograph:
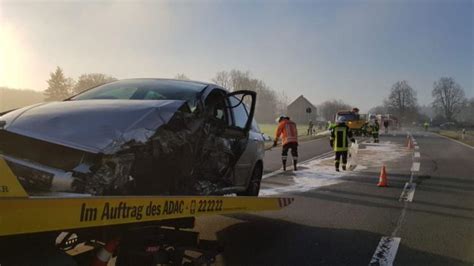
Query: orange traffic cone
(103, 256)
(383, 182)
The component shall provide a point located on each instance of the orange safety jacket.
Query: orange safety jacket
(288, 129)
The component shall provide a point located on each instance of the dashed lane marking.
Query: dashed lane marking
(415, 167)
(408, 192)
(386, 251)
(417, 155)
(417, 147)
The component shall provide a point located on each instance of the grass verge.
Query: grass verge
(457, 135)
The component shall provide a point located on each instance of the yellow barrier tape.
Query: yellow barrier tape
(30, 215)
(9, 185)
(20, 214)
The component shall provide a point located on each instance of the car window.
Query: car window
(118, 93)
(239, 111)
(255, 126)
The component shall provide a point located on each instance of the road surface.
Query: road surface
(424, 217)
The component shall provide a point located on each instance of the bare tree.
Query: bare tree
(222, 78)
(267, 99)
(328, 109)
(380, 109)
(87, 81)
(449, 97)
(282, 102)
(466, 113)
(181, 76)
(402, 101)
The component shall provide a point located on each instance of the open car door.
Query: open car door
(242, 109)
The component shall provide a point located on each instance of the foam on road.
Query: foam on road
(320, 172)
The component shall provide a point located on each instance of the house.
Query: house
(302, 111)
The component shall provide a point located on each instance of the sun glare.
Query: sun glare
(12, 58)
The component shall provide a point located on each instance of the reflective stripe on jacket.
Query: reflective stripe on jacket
(287, 129)
(340, 134)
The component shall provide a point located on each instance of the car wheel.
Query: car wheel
(254, 185)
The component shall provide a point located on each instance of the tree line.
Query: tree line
(61, 87)
(269, 105)
(449, 100)
(449, 103)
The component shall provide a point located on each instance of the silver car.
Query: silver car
(139, 137)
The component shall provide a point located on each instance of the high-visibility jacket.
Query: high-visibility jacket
(375, 128)
(340, 135)
(287, 129)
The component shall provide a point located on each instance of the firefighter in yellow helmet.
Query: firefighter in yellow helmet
(339, 141)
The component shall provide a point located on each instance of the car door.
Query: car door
(228, 135)
(244, 165)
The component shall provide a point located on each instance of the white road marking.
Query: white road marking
(415, 167)
(408, 192)
(417, 147)
(457, 141)
(417, 155)
(386, 251)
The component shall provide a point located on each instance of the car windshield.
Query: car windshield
(145, 90)
(349, 117)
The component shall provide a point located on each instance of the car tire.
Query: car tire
(254, 184)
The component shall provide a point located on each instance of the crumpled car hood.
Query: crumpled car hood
(92, 125)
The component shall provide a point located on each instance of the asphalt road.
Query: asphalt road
(345, 223)
(306, 151)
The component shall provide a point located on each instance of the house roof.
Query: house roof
(300, 99)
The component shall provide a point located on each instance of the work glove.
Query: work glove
(275, 143)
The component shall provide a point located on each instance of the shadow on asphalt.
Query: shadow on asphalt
(264, 241)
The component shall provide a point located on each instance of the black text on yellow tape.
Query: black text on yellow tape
(31, 215)
(9, 185)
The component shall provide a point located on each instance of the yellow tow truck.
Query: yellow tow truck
(355, 121)
(59, 229)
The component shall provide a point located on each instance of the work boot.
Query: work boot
(344, 167)
(294, 165)
(337, 169)
(284, 165)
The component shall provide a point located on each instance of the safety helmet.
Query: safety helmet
(281, 117)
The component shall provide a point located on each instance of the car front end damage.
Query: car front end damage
(92, 148)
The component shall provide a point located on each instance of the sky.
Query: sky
(349, 50)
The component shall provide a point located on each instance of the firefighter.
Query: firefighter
(426, 125)
(375, 131)
(339, 141)
(287, 129)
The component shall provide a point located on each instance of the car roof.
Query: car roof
(175, 83)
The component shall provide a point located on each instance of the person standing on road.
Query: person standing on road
(287, 129)
(385, 125)
(339, 141)
(310, 128)
(375, 131)
(426, 125)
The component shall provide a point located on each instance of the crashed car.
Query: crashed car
(138, 137)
